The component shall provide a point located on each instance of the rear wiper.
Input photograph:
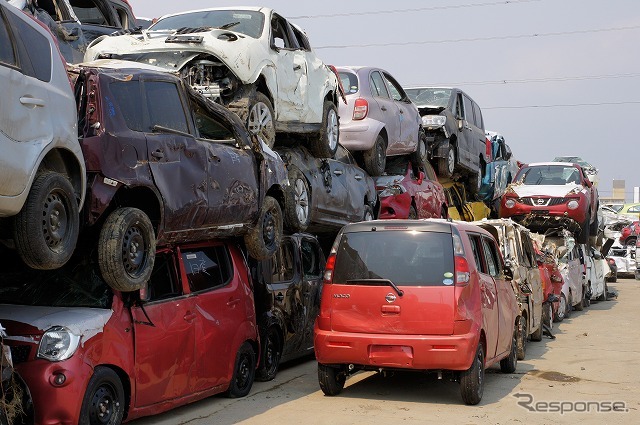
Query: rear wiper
(377, 282)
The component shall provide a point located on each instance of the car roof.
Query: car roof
(534, 164)
(426, 225)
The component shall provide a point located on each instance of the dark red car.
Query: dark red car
(548, 195)
(405, 192)
(629, 234)
(90, 354)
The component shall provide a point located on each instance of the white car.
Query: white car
(42, 169)
(251, 60)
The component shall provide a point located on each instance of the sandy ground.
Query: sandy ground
(590, 370)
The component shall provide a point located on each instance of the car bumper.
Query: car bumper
(359, 135)
(420, 352)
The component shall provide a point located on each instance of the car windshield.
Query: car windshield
(438, 98)
(77, 284)
(573, 159)
(548, 175)
(243, 21)
(349, 81)
(396, 166)
(405, 258)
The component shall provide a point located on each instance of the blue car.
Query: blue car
(498, 173)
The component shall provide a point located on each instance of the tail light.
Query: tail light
(328, 270)
(487, 145)
(462, 271)
(323, 321)
(360, 109)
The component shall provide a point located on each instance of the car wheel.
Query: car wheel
(447, 165)
(264, 238)
(297, 214)
(580, 305)
(537, 334)
(260, 118)
(614, 277)
(509, 363)
(271, 352)
(420, 157)
(586, 301)
(413, 214)
(368, 213)
(523, 335)
(375, 159)
(547, 315)
(472, 380)
(46, 230)
(326, 144)
(630, 242)
(243, 372)
(562, 309)
(603, 296)
(331, 379)
(126, 249)
(103, 401)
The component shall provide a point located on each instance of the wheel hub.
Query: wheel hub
(260, 122)
(133, 251)
(102, 406)
(55, 221)
(302, 201)
(332, 129)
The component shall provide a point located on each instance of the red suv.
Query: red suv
(90, 354)
(428, 295)
(548, 195)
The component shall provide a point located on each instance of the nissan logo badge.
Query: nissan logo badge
(390, 298)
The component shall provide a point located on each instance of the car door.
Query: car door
(26, 107)
(385, 110)
(312, 261)
(318, 78)
(349, 185)
(467, 143)
(218, 309)
(291, 71)
(164, 336)
(429, 197)
(407, 118)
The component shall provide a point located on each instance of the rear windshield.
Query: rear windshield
(429, 97)
(405, 258)
(349, 82)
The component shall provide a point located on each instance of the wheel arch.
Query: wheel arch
(141, 197)
(65, 162)
(126, 385)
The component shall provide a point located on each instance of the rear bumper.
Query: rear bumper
(421, 352)
(360, 135)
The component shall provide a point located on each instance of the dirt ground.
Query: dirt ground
(589, 374)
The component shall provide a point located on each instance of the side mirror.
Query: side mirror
(420, 177)
(460, 124)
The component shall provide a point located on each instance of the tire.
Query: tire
(264, 238)
(547, 315)
(368, 213)
(567, 313)
(326, 144)
(580, 305)
(603, 296)
(614, 278)
(586, 300)
(46, 229)
(260, 118)
(447, 165)
(413, 214)
(562, 309)
(270, 355)
(522, 336)
(244, 371)
(103, 402)
(331, 379)
(420, 157)
(472, 380)
(126, 249)
(509, 363)
(297, 214)
(630, 242)
(375, 159)
(537, 334)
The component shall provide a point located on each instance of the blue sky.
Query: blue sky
(555, 77)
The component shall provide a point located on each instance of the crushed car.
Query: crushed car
(324, 194)
(166, 165)
(552, 195)
(90, 354)
(42, 168)
(589, 170)
(460, 206)
(378, 119)
(16, 405)
(403, 193)
(498, 173)
(251, 60)
(455, 133)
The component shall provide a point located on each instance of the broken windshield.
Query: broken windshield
(438, 98)
(246, 22)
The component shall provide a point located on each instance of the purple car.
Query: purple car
(378, 120)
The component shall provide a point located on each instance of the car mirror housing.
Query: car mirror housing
(420, 177)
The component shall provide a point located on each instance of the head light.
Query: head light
(573, 204)
(433, 120)
(392, 190)
(58, 343)
(510, 203)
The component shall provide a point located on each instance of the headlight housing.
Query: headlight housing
(58, 343)
(510, 203)
(573, 204)
(392, 190)
(434, 121)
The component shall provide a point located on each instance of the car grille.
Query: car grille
(20, 353)
(542, 202)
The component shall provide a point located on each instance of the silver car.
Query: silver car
(378, 119)
(42, 170)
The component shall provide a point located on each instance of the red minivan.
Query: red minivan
(428, 295)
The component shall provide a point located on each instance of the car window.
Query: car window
(476, 250)
(207, 268)
(349, 81)
(468, 108)
(425, 259)
(163, 283)
(34, 50)
(311, 258)
(343, 155)
(128, 99)
(7, 55)
(490, 256)
(477, 116)
(282, 264)
(301, 38)
(378, 86)
(394, 88)
(209, 127)
(280, 35)
(529, 252)
(88, 12)
(246, 22)
(164, 105)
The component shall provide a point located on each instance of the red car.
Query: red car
(548, 195)
(93, 355)
(405, 193)
(428, 295)
(629, 234)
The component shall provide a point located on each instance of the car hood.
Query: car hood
(83, 321)
(547, 190)
(244, 56)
